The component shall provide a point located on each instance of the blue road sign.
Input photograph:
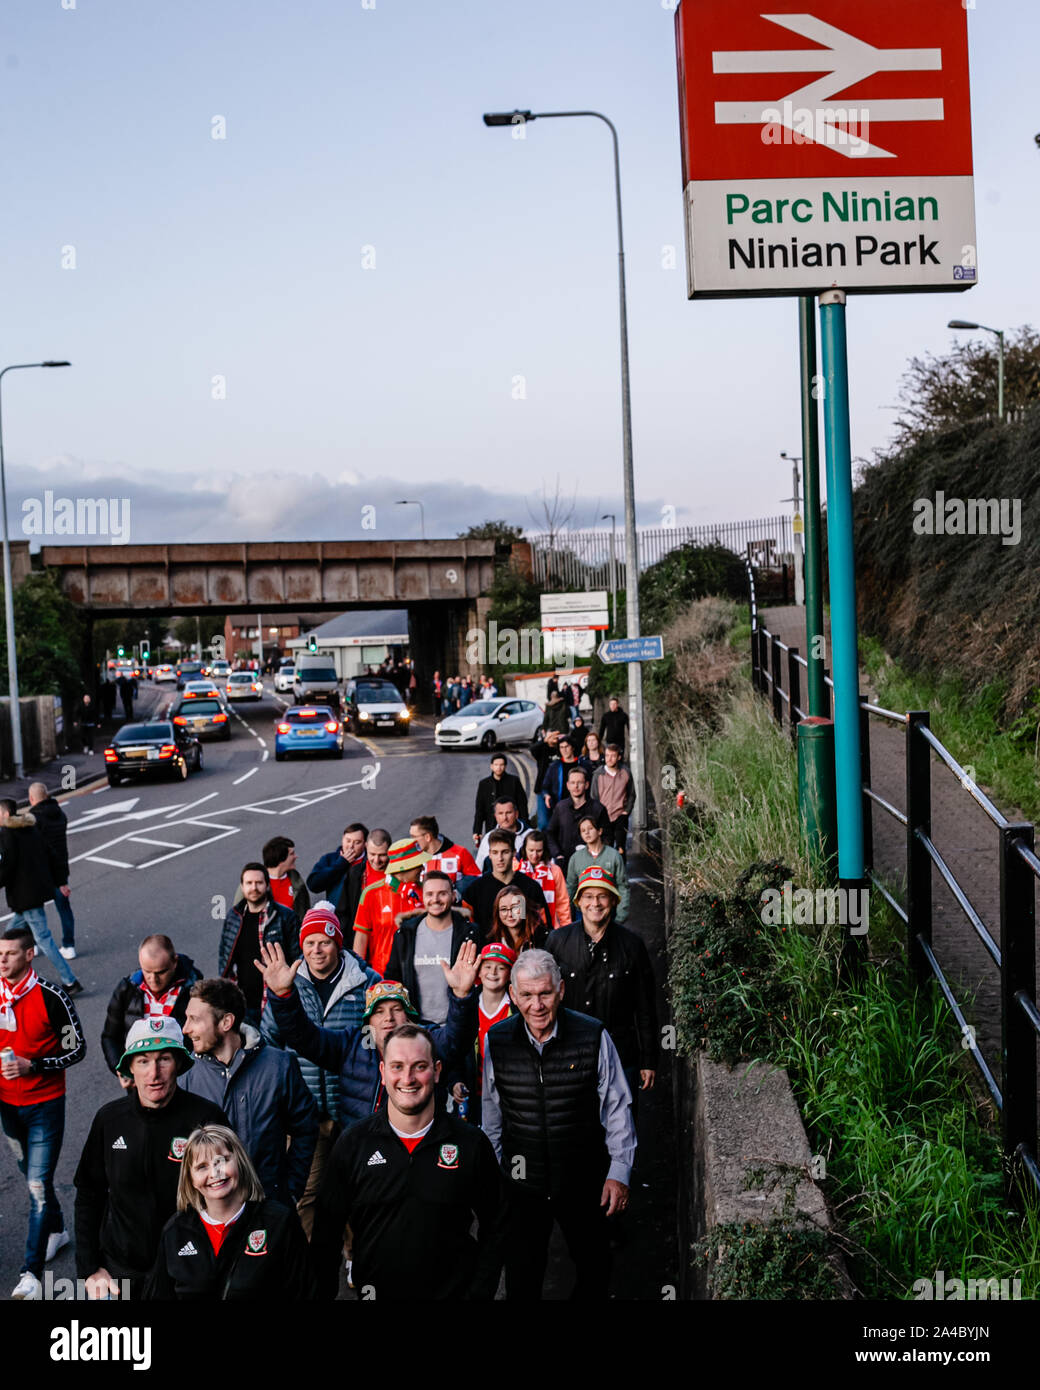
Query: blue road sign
(620, 649)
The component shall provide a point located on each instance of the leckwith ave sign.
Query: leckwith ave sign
(826, 144)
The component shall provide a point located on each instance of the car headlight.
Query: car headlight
(362, 714)
(436, 728)
(466, 728)
(405, 714)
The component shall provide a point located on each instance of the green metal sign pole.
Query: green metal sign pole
(816, 798)
(842, 570)
(815, 651)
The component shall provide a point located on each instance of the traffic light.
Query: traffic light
(119, 651)
(146, 650)
(312, 643)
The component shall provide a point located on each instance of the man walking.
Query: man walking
(259, 1088)
(613, 727)
(410, 1180)
(613, 788)
(331, 984)
(564, 837)
(498, 786)
(507, 817)
(53, 826)
(445, 855)
(593, 853)
(87, 714)
(558, 1110)
(480, 896)
(256, 918)
(608, 975)
(382, 903)
(158, 988)
(40, 1038)
(26, 877)
(342, 875)
(126, 1181)
(423, 941)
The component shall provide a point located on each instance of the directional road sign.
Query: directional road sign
(826, 144)
(622, 649)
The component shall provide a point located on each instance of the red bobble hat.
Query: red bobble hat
(321, 920)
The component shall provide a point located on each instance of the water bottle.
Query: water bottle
(462, 1106)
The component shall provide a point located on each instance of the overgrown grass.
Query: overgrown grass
(1006, 760)
(914, 1173)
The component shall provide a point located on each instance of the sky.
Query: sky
(360, 294)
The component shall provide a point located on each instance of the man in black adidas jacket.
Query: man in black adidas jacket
(409, 1180)
(126, 1181)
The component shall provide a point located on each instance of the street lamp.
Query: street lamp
(12, 658)
(422, 514)
(635, 670)
(999, 332)
(612, 518)
(799, 579)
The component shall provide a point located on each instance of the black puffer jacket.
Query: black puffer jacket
(25, 870)
(127, 1006)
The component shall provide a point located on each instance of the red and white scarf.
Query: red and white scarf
(9, 996)
(161, 1005)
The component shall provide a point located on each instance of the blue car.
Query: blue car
(308, 729)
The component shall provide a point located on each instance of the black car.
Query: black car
(372, 703)
(161, 748)
(188, 671)
(202, 717)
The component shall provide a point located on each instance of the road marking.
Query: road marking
(201, 799)
(146, 840)
(96, 859)
(266, 756)
(245, 776)
(233, 830)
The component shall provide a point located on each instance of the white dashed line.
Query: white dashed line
(115, 863)
(245, 776)
(163, 844)
(265, 757)
(195, 803)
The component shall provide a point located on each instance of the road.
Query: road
(166, 856)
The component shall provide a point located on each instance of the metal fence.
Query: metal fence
(582, 559)
(1014, 957)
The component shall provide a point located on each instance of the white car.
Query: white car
(486, 723)
(165, 672)
(284, 678)
(244, 685)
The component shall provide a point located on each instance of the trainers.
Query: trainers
(56, 1241)
(69, 952)
(74, 989)
(28, 1287)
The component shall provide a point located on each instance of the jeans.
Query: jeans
(35, 1133)
(35, 918)
(68, 922)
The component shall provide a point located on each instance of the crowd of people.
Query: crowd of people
(452, 693)
(406, 1066)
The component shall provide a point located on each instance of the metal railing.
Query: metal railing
(582, 559)
(1014, 955)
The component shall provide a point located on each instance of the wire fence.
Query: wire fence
(596, 559)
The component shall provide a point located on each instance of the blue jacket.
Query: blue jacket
(263, 1095)
(344, 1011)
(353, 1056)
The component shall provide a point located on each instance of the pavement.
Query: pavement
(962, 833)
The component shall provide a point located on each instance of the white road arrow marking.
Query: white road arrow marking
(97, 819)
(847, 61)
(96, 812)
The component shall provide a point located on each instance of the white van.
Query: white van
(315, 679)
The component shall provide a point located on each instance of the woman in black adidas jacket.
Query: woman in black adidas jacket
(226, 1240)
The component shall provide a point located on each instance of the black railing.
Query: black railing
(1014, 955)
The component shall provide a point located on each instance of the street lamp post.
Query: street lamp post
(796, 499)
(635, 670)
(422, 514)
(12, 658)
(999, 334)
(612, 518)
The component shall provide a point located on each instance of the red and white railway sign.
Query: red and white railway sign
(826, 144)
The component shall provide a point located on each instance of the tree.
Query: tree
(499, 531)
(940, 392)
(48, 633)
